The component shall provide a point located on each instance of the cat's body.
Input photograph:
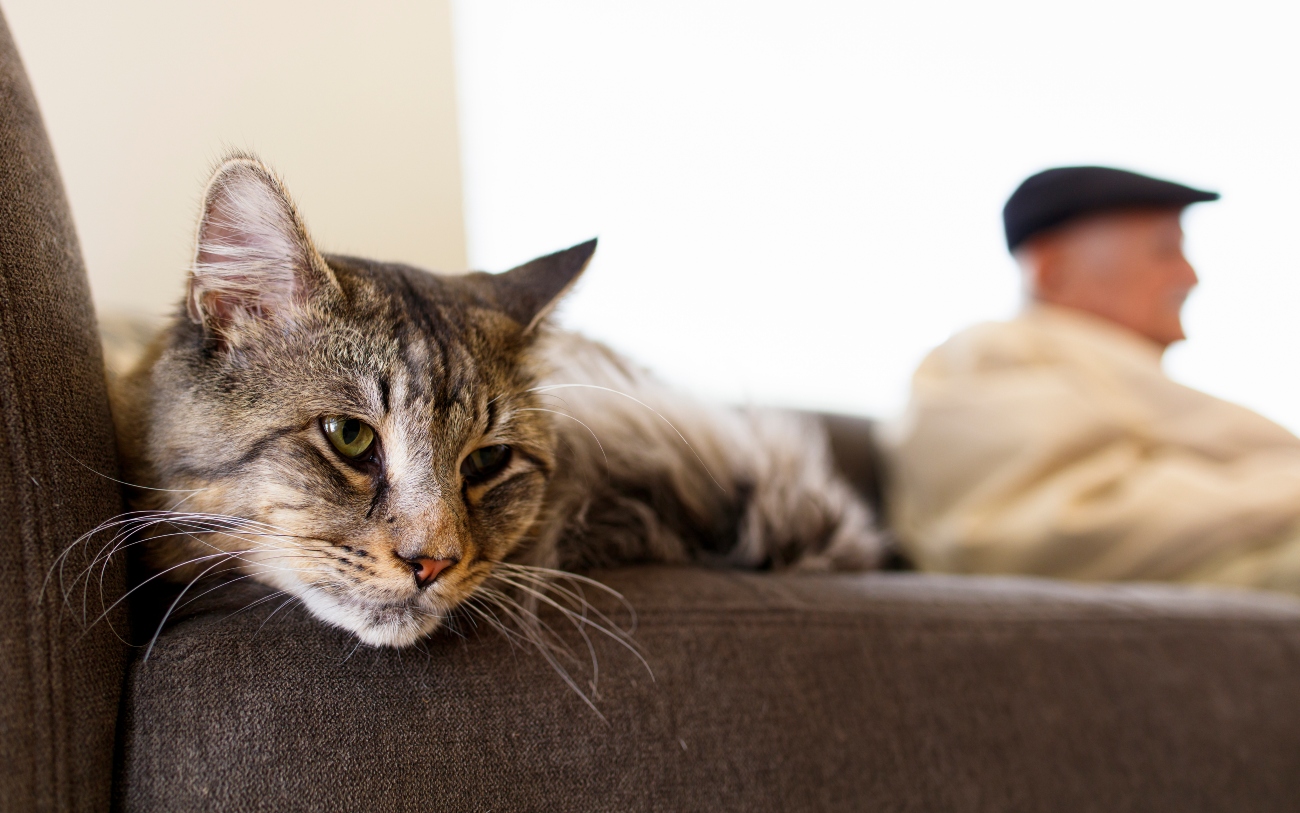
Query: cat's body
(377, 440)
(645, 473)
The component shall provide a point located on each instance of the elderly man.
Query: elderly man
(1054, 444)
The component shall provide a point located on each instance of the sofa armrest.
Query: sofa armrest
(58, 711)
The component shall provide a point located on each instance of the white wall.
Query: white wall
(796, 201)
(354, 103)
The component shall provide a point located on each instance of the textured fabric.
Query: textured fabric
(827, 692)
(854, 449)
(1054, 444)
(59, 705)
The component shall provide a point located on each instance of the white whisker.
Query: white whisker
(580, 621)
(635, 400)
(583, 425)
(283, 604)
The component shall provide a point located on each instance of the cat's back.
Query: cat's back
(125, 338)
(650, 472)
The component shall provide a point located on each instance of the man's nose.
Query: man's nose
(427, 570)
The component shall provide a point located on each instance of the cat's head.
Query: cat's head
(372, 424)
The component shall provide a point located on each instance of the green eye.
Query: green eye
(484, 463)
(350, 436)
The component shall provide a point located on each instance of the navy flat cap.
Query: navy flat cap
(1054, 196)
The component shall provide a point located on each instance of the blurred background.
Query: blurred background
(795, 201)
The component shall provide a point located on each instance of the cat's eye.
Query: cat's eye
(484, 463)
(352, 438)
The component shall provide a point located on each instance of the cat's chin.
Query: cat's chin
(394, 635)
(388, 625)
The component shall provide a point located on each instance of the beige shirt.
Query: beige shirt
(1054, 444)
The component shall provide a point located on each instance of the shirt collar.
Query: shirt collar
(1096, 330)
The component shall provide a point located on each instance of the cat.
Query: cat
(385, 443)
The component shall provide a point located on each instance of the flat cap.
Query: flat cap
(1054, 196)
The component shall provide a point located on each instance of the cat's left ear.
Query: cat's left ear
(253, 259)
(528, 293)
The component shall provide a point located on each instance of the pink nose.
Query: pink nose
(426, 570)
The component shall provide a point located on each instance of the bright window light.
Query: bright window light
(797, 201)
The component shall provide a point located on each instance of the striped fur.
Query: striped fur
(222, 418)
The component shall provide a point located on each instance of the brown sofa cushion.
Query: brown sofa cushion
(59, 705)
(770, 692)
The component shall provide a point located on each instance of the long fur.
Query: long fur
(220, 426)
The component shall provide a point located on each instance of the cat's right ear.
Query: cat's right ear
(253, 259)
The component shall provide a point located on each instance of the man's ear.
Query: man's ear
(1040, 266)
(528, 293)
(253, 260)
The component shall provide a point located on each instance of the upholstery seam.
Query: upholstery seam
(891, 614)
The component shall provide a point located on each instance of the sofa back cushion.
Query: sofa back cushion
(58, 710)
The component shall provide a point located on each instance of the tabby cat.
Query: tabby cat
(382, 442)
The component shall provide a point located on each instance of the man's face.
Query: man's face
(1125, 266)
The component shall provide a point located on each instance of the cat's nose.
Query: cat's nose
(427, 570)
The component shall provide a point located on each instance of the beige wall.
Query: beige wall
(354, 103)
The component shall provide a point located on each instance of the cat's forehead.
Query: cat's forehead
(397, 293)
(424, 338)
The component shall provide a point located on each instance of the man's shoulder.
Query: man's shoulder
(1042, 336)
(1013, 332)
(1013, 342)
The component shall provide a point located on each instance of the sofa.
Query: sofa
(741, 691)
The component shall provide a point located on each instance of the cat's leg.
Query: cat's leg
(799, 511)
(646, 473)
